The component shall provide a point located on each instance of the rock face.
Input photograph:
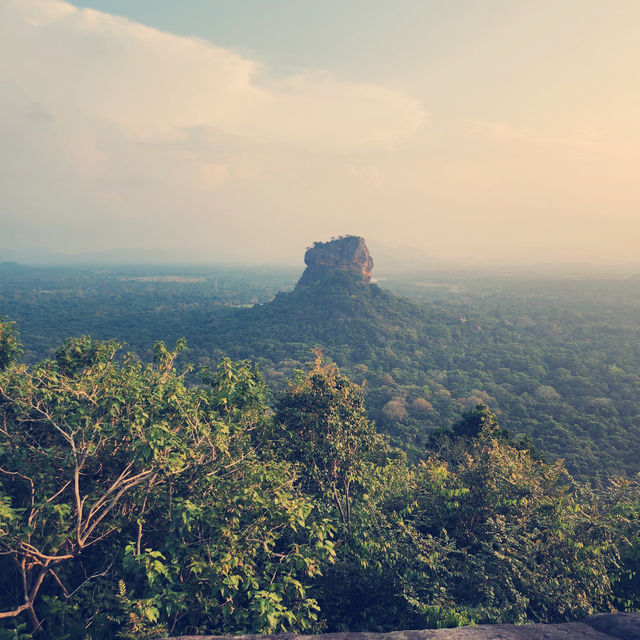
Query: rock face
(348, 253)
(612, 626)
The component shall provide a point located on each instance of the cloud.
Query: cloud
(370, 176)
(116, 134)
(499, 130)
(155, 86)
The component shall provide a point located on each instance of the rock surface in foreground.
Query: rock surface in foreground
(608, 626)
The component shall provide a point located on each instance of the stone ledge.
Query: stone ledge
(606, 626)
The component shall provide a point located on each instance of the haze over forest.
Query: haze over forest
(239, 131)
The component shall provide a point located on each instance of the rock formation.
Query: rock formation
(349, 254)
(613, 626)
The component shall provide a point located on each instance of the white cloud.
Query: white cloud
(370, 176)
(116, 134)
(156, 86)
(113, 134)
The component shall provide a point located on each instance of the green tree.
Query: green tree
(118, 479)
(627, 582)
(10, 347)
(529, 543)
(365, 486)
(323, 425)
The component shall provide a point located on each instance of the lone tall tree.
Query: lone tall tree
(324, 424)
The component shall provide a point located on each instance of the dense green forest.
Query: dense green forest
(135, 503)
(555, 358)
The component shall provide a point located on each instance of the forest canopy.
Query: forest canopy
(555, 358)
(135, 503)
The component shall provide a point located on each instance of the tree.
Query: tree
(117, 474)
(10, 347)
(363, 484)
(529, 543)
(73, 451)
(323, 425)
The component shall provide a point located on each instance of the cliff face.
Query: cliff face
(344, 254)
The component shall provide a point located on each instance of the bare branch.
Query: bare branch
(108, 506)
(15, 612)
(116, 483)
(55, 495)
(30, 550)
(57, 579)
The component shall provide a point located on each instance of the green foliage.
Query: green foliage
(10, 347)
(137, 501)
(476, 421)
(555, 358)
(111, 470)
(323, 426)
(528, 543)
(627, 580)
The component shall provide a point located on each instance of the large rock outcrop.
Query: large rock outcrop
(349, 254)
(612, 626)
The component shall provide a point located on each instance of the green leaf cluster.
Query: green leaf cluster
(136, 502)
(117, 473)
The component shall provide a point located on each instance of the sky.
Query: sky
(485, 131)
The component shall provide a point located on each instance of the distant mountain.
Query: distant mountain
(12, 267)
(346, 254)
(557, 359)
(128, 256)
(425, 364)
(333, 305)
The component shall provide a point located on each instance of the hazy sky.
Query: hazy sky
(233, 129)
